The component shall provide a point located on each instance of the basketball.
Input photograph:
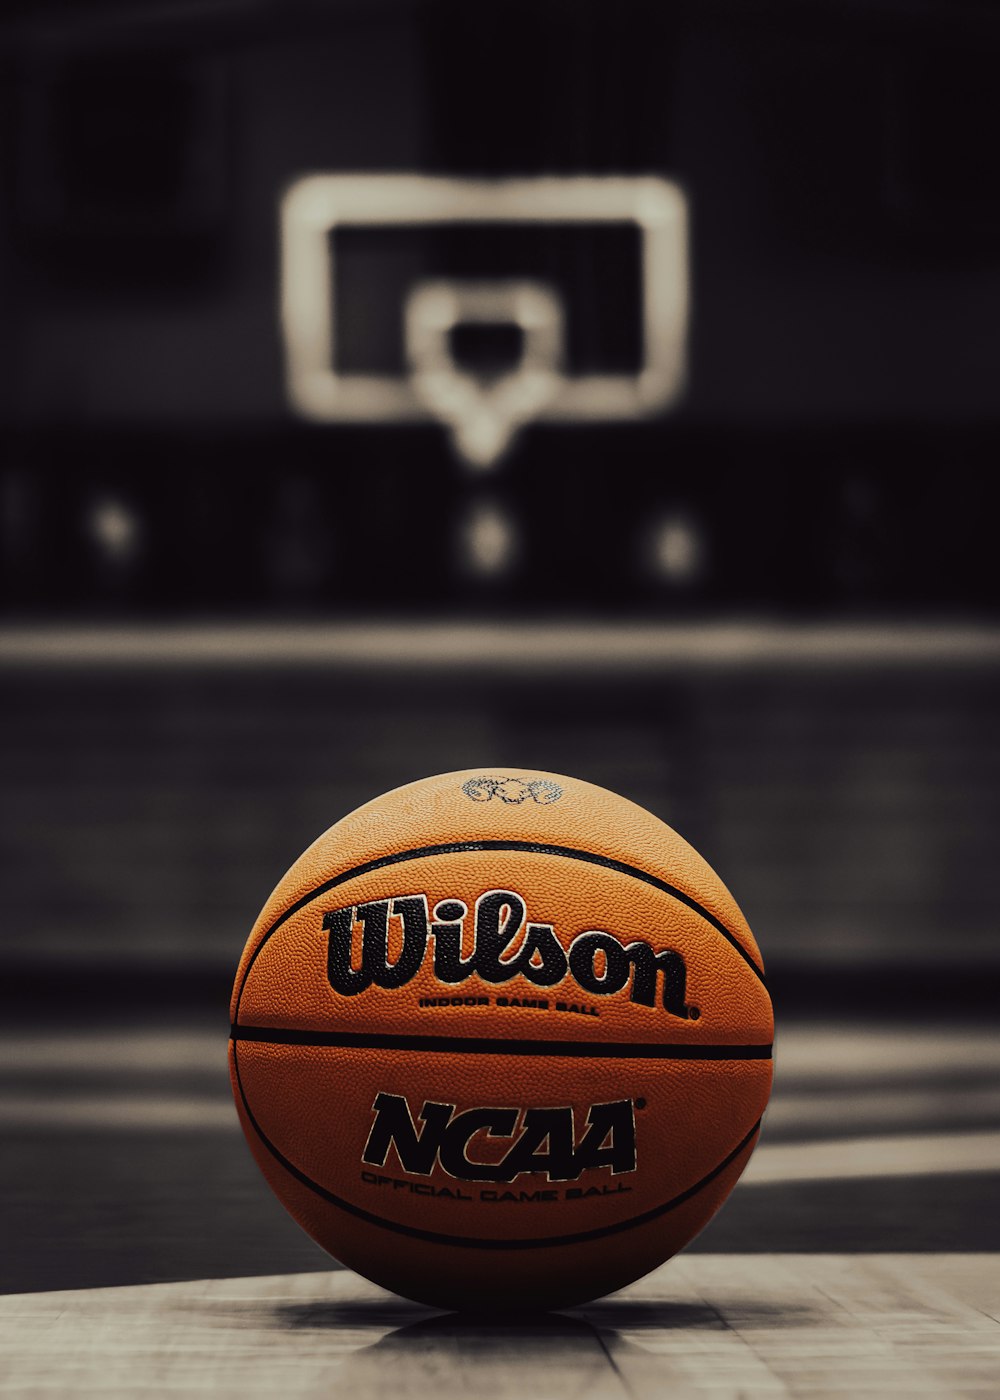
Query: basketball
(501, 1039)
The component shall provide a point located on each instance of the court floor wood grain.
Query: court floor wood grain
(728, 1327)
(124, 1182)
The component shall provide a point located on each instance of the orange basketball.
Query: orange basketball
(501, 1039)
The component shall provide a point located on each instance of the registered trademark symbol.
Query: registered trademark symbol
(640, 1103)
(693, 1013)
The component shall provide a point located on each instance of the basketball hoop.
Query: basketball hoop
(483, 414)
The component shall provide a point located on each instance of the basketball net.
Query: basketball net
(484, 414)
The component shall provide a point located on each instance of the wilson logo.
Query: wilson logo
(504, 945)
(541, 1140)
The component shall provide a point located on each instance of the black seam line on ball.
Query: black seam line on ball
(471, 1242)
(531, 847)
(469, 1045)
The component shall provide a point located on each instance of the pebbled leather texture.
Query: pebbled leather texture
(309, 1061)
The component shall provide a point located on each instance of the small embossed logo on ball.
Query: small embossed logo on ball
(513, 791)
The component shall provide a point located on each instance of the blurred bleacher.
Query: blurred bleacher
(842, 779)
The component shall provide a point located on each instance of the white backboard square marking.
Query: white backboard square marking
(319, 205)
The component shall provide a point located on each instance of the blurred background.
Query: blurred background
(766, 607)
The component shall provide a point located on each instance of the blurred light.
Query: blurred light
(678, 549)
(488, 540)
(115, 529)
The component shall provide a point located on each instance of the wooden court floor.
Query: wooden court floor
(143, 1255)
(730, 1327)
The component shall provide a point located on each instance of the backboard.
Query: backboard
(482, 413)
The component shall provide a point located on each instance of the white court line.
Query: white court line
(828, 1160)
(883, 1110)
(125, 1112)
(834, 1052)
(805, 1053)
(101, 1052)
(209, 1110)
(507, 646)
(859, 1158)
